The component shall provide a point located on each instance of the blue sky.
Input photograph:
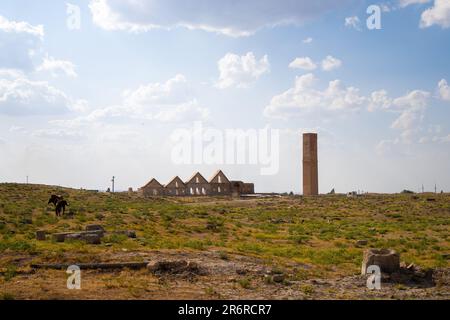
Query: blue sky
(78, 106)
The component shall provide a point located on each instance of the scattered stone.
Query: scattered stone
(173, 267)
(59, 237)
(73, 236)
(410, 266)
(94, 227)
(241, 271)
(83, 235)
(40, 235)
(211, 225)
(278, 277)
(26, 221)
(92, 238)
(361, 242)
(388, 260)
(277, 220)
(128, 233)
(131, 234)
(431, 199)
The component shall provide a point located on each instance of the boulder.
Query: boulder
(278, 277)
(73, 236)
(128, 233)
(388, 260)
(361, 242)
(83, 235)
(40, 235)
(92, 238)
(59, 237)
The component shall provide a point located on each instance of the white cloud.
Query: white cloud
(169, 101)
(304, 63)
(331, 63)
(308, 40)
(241, 71)
(379, 100)
(19, 43)
(57, 67)
(22, 96)
(231, 18)
(303, 97)
(438, 14)
(385, 147)
(444, 90)
(58, 134)
(353, 22)
(17, 27)
(445, 138)
(412, 109)
(405, 3)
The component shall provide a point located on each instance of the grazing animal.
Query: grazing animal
(61, 206)
(54, 199)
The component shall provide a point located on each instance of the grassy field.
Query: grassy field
(308, 237)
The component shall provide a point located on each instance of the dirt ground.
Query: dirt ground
(230, 277)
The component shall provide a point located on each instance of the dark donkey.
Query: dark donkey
(59, 203)
(61, 206)
(54, 199)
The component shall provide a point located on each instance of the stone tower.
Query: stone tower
(310, 170)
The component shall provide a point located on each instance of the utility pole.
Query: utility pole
(435, 188)
(27, 179)
(112, 180)
(422, 187)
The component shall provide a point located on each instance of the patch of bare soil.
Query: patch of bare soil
(213, 275)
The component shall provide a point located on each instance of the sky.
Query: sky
(99, 88)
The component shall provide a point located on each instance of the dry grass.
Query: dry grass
(316, 232)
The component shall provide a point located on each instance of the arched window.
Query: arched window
(218, 189)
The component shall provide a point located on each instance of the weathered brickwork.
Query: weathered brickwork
(197, 185)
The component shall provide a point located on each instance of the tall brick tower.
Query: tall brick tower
(310, 170)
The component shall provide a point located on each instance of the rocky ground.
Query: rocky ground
(279, 247)
(216, 276)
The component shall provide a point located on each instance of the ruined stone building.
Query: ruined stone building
(153, 188)
(197, 185)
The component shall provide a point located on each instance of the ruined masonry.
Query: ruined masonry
(310, 168)
(197, 185)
